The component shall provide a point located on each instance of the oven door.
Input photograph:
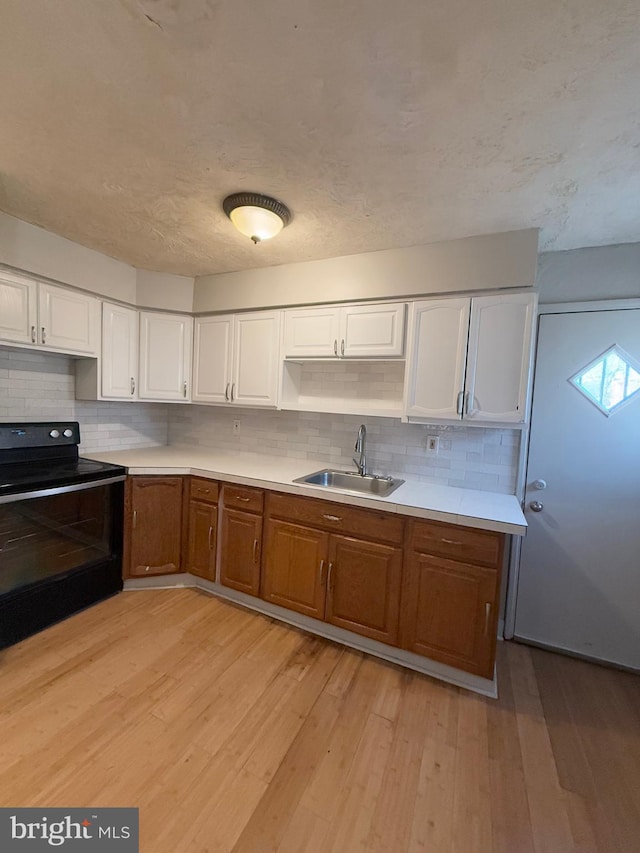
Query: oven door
(60, 551)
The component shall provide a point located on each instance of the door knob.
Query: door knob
(536, 506)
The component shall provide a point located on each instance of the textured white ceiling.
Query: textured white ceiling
(123, 124)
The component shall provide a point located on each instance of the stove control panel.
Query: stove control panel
(46, 434)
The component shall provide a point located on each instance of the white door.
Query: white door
(165, 356)
(18, 309)
(255, 362)
(68, 320)
(436, 358)
(499, 357)
(212, 359)
(579, 580)
(119, 351)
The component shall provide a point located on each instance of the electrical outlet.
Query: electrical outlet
(236, 427)
(433, 443)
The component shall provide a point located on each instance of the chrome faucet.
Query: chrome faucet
(361, 461)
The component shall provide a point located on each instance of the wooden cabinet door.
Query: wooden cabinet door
(436, 359)
(212, 353)
(240, 551)
(119, 351)
(68, 320)
(18, 309)
(256, 352)
(202, 540)
(500, 357)
(165, 356)
(155, 520)
(450, 612)
(372, 331)
(295, 567)
(312, 332)
(363, 588)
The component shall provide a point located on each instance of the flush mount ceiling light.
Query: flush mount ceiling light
(256, 216)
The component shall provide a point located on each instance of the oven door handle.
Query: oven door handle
(61, 490)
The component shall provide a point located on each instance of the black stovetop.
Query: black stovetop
(36, 456)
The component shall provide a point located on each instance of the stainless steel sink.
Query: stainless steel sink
(350, 481)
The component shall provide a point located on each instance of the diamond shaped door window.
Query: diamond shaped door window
(610, 380)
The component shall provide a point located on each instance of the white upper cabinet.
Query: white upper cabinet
(68, 320)
(165, 356)
(43, 315)
(311, 332)
(470, 359)
(119, 369)
(212, 359)
(499, 357)
(236, 359)
(18, 309)
(436, 358)
(355, 331)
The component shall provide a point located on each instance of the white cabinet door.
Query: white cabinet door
(212, 359)
(256, 359)
(312, 333)
(499, 357)
(18, 309)
(370, 331)
(68, 320)
(165, 356)
(119, 351)
(436, 358)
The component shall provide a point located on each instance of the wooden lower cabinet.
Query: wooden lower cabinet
(241, 534)
(363, 588)
(203, 520)
(295, 567)
(153, 541)
(349, 582)
(450, 606)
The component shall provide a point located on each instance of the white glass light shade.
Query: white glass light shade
(256, 222)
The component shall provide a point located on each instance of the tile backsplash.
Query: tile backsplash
(38, 386)
(41, 386)
(470, 457)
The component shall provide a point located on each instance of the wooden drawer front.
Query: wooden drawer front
(244, 498)
(467, 544)
(204, 490)
(381, 526)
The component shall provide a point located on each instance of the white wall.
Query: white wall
(164, 290)
(33, 250)
(37, 251)
(604, 272)
(476, 263)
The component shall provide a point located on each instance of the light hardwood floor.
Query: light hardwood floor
(232, 732)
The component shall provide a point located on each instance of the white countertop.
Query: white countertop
(468, 507)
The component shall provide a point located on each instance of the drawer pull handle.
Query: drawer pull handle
(133, 386)
(487, 615)
(451, 541)
(335, 347)
(342, 347)
(329, 587)
(321, 571)
(43, 335)
(244, 500)
(135, 518)
(255, 550)
(33, 334)
(331, 518)
(184, 389)
(226, 392)
(459, 402)
(210, 535)
(233, 391)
